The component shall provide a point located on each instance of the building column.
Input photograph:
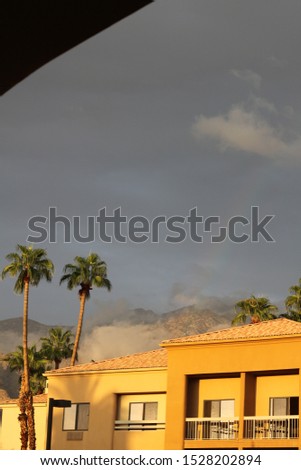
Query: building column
(175, 413)
(241, 415)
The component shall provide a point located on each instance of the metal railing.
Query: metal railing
(255, 427)
(211, 428)
(271, 427)
(144, 425)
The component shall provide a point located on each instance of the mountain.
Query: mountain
(183, 321)
(10, 339)
(192, 320)
(180, 322)
(111, 334)
(11, 333)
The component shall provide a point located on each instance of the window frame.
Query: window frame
(144, 405)
(289, 405)
(76, 417)
(219, 403)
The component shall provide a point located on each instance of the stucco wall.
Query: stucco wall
(101, 390)
(10, 433)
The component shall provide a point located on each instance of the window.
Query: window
(282, 426)
(76, 418)
(284, 406)
(143, 412)
(216, 427)
(140, 411)
(218, 408)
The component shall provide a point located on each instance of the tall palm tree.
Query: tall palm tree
(37, 366)
(84, 273)
(30, 265)
(293, 303)
(57, 346)
(256, 308)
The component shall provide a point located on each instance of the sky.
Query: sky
(186, 104)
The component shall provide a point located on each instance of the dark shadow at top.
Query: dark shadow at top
(36, 31)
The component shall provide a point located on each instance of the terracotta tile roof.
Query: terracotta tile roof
(158, 358)
(265, 329)
(145, 360)
(42, 398)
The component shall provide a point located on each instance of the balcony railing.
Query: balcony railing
(211, 428)
(144, 425)
(255, 427)
(271, 427)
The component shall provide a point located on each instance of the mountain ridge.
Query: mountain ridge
(127, 332)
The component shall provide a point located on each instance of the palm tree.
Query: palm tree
(30, 266)
(57, 346)
(37, 366)
(84, 273)
(293, 303)
(256, 308)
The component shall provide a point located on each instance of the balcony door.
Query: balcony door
(218, 408)
(216, 427)
(284, 406)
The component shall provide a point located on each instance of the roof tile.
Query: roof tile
(149, 359)
(158, 357)
(265, 329)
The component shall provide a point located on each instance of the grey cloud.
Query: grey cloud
(247, 130)
(250, 77)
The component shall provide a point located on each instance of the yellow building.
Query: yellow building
(10, 427)
(237, 388)
(116, 404)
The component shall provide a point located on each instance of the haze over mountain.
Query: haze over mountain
(183, 321)
(114, 332)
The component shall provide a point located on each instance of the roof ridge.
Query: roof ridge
(236, 328)
(136, 358)
(120, 357)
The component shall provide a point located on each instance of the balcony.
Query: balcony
(141, 425)
(275, 427)
(255, 427)
(211, 428)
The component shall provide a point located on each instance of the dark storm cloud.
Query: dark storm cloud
(110, 124)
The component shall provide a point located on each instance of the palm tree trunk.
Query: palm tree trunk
(31, 423)
(26, 387)
(23, 416)
(82, 300)
(26, 417)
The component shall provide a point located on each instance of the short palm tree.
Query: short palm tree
(37, 366)
(84, 273)
(57, 346)
(293, 303)
(30, 265)
(257, 309)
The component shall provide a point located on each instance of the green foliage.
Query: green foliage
(293, 303)
(254, 308)
(57, 346)
(28, 264)
(86, 273)
(37, 366)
